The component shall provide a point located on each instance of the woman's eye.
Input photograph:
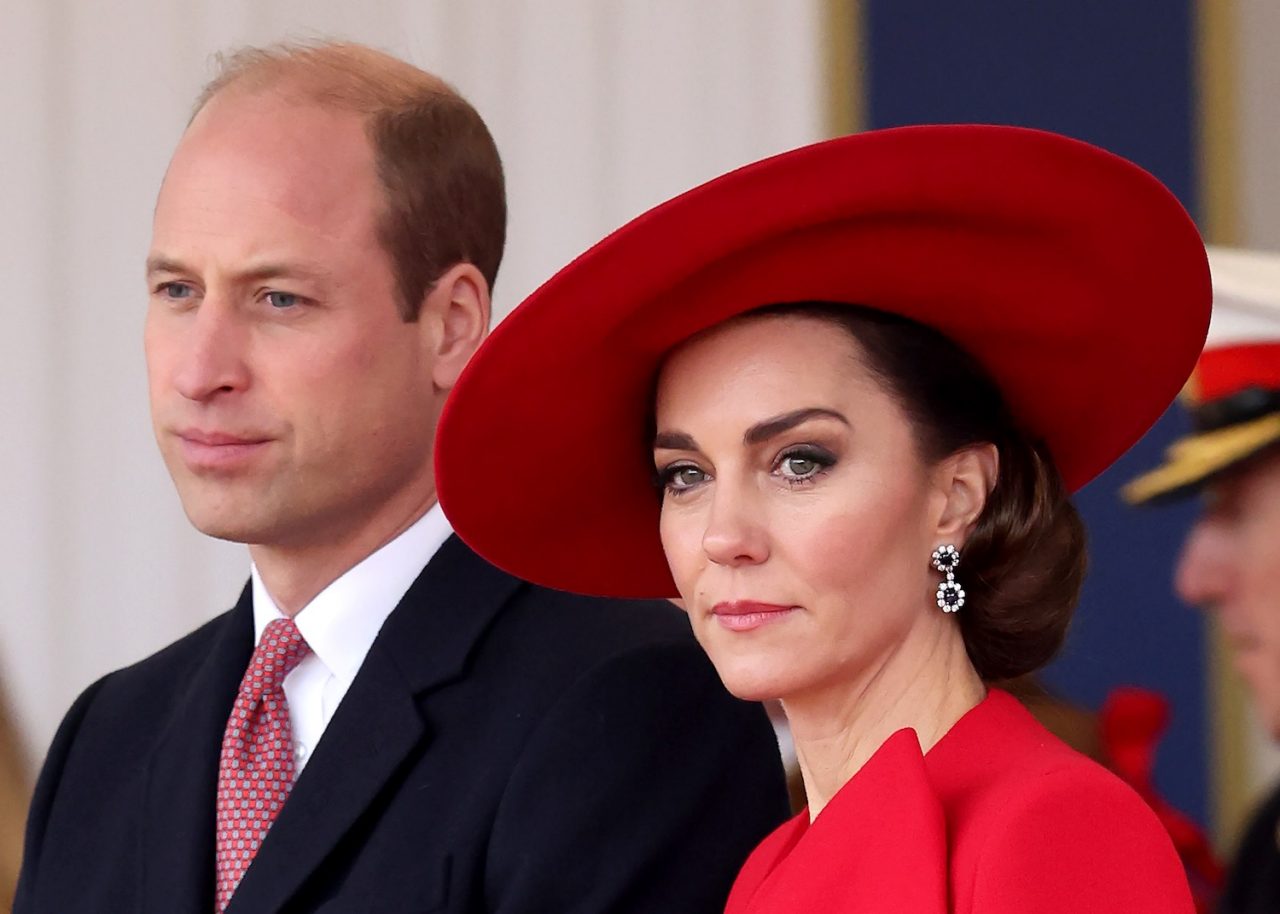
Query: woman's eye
(803, 466)
(682, 477)
(798, 466)
(281, 300)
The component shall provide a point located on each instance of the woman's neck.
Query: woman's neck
(926, 684)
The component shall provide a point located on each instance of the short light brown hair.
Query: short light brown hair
(444, 195)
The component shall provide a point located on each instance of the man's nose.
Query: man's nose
(213, 361)
(1204, 569)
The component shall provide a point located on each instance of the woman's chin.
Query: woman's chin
(756, 667)
(754, 681)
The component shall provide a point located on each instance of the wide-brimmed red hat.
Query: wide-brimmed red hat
(1072, 275)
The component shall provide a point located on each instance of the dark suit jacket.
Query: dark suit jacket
(503, 748)
(1253, 884)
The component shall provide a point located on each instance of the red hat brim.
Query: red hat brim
(1072, 275)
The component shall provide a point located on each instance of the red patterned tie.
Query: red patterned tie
(255, 772)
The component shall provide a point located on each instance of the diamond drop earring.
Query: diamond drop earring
(950, 594)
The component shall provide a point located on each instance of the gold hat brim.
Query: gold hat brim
(1192, 461)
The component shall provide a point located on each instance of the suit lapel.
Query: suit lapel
(182, 776)
(423, 645)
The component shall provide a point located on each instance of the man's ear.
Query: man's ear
(965, 480)
(455, 318)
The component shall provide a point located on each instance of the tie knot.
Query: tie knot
(279, 650)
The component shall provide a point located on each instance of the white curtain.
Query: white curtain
(600, 109)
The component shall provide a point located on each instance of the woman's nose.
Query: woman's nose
(737, 533)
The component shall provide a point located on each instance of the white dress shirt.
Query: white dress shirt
(341, 622)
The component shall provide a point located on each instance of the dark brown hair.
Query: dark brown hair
(444, 197)
(1024, 563)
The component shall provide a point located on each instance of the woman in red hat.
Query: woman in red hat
(865, 376)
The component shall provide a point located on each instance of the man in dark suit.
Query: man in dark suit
(384, 722)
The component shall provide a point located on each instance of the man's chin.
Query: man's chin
(231, 533)
(230, 525)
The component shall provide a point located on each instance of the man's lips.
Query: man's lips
(218, 439)
(207, 449)
(747, 615)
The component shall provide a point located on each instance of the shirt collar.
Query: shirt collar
(342, 621)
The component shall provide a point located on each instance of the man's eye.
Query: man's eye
(281, 300)
(176, 291)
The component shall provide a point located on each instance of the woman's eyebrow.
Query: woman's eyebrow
(761, 431)
(768, 428)
(674, 441)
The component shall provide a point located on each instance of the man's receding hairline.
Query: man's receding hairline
(433, 154)
(335, 75)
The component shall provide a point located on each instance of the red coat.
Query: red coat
(999, 818)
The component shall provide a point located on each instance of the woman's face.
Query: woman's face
(797, 516)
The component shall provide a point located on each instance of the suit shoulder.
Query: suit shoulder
(177, 656)
(1018, 766)
(999, 751)
(599, 626)
(129, 701)
(1068, 782)
(550, 649)
(1044, 820)
(1076, 832)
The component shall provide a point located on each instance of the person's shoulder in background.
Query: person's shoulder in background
(1253, 880)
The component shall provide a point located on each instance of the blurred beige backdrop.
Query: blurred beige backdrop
(600, 109)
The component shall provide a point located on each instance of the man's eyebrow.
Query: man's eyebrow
(674, 441)
(278, 269)
(768, 428)
(159, 263)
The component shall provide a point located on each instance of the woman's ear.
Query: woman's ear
(965, 480)
(455, 321)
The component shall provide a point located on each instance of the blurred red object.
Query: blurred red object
(1131, 723)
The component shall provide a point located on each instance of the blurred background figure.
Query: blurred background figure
(1232, 555)
(15, 787)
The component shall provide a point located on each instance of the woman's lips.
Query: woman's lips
(746, 615)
